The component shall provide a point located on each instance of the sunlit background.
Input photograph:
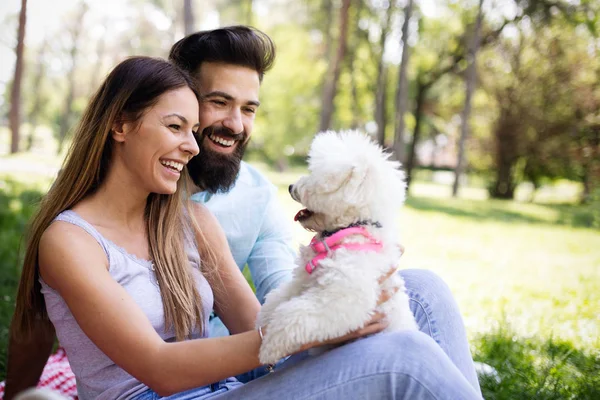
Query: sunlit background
(503, 94)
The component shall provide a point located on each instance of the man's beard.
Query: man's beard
(216, 172)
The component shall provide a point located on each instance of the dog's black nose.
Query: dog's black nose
(290, 188)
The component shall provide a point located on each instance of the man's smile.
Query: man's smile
(220, 140)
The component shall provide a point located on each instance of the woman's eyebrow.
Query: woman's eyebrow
(181, 117)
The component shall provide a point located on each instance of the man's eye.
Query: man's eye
(218, 102)
(250, 110)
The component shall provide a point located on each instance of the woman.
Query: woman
(128, 271)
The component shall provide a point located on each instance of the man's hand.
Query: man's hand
(27, 358)
(376, 324)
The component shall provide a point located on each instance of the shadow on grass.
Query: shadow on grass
(532, 368)
(17, 204)
(585, 216)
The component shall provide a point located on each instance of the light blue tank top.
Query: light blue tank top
(97, 376)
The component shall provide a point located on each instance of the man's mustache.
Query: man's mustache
(224, 133)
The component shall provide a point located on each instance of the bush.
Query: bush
(17, 205)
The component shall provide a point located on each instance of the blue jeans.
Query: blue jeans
(432, 364)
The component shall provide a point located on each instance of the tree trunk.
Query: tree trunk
(507, 153)
(380, 94)
(402, 88)
(351, 65)
(410, 162)
(38, 98)
(471, 77)
(188, 17)
(327, 7)
(330, 89)
(15, 93)
(65, 122)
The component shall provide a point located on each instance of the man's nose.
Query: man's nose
(233, 122)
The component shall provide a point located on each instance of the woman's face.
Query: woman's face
(156, 150)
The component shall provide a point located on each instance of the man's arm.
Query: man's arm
(27, 358)
(271, 260)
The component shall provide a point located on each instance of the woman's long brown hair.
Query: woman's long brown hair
(130, 89)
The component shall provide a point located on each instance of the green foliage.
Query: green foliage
(17, 204)
(544, 92)
(537, 368)
(289, 95)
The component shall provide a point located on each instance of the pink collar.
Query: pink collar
(326, 246)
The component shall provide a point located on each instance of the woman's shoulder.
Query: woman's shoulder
(202, 214)
(64, 246)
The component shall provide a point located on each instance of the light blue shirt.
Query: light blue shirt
(257, 231)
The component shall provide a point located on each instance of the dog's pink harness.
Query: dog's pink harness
(326, 246)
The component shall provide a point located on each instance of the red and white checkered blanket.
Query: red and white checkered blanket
(57, 376)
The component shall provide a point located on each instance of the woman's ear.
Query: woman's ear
(118, 131)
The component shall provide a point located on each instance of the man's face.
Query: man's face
(228, 105)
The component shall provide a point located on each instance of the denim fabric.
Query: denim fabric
(432, 364)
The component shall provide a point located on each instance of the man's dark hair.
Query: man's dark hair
(238, 45)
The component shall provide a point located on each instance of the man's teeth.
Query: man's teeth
(172, 164)
(221, 141)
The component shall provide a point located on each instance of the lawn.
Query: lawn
(526, 276)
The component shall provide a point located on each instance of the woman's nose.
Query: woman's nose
(191, 145)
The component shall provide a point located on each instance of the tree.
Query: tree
(382, 73)
(39, 99)
(547, 125)
(75, 31)
(401, 89)
(438, 53)
(15, 94)
(188, 17)
(351, 64)
(470, 81)
(330, 87)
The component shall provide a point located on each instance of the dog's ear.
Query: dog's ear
(356, 185)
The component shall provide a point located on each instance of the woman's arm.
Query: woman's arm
(235, 304)
(74, 265)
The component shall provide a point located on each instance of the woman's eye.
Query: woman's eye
(175, 126)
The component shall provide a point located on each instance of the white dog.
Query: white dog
(351, 197)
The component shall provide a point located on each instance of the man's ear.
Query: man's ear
(118, 131)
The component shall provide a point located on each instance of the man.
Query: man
(229, 65)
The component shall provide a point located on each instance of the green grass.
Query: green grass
(526, 276)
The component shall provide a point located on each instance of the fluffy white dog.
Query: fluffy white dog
(351, 198)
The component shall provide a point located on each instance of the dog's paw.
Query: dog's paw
(273, 349)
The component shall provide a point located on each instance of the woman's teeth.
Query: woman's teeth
(221, 141)
(173, 164)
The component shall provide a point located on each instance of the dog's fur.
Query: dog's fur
(351, 180)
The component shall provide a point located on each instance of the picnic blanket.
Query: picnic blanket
(57, 376)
